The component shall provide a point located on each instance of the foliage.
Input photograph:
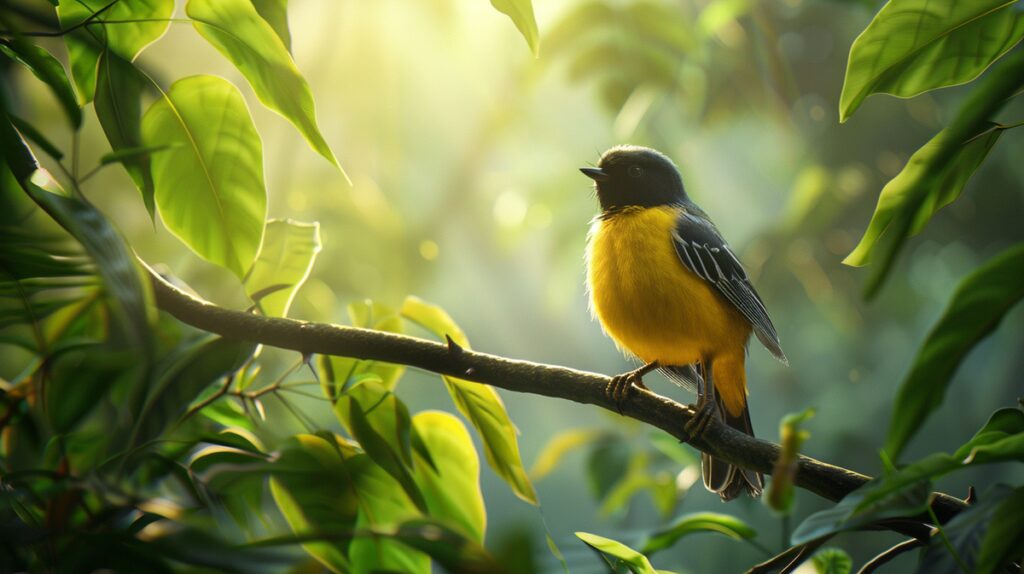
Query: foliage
(132, 441)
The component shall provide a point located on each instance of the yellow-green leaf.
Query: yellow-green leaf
(284, 262)
(521, 13)
(336, 372)
(236, 29)
(479, 403)
(635, 561)
(209, 182)
(912, 46)
(560, 445)
(451, 484)
(275, 12)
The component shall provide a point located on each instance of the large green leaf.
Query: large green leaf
(149, 20)
(521, 13)
(236, 29)
(687, 524)
(912, 46)
(479, 403)
(860, 508)
(118, 105)
(451, 481)
(45, 67)
(1004, 539)
(936, 173)
(209, 182)
(275, 12)
(387, 416)
(965, 534)
(977, 308)
(285, 260)
(622, 554)
(337, 372)
(1001, 439)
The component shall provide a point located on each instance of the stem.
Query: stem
(889, 554)
(90, 20)
(947, 543)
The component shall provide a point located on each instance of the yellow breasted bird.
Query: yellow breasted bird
(668, 290)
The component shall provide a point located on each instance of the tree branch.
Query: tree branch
(825, 480)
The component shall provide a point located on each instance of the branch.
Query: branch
(825, 480)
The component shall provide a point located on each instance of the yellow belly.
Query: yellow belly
(648, 302)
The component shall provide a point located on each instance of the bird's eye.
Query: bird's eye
(635, 171)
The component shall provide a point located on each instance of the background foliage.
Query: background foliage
(187, 134)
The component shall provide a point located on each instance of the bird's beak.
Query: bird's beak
(594, 173)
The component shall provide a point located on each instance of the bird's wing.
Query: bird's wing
(702, 250)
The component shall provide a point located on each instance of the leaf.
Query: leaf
(118, 105)
(184, 375)
(30, 132)
(521, 13)
(1004, 538)
(341, 371)
(239, 33)
(479, 403)
(936, 173)
(275, 12)
(150, 19)
(558, 446)
(859, 509)
(1001, 439)
(130, 295)
(635, 561)
(791, 437)
(965, 533)
(976, 310)
(130, 153)
(451, 483)
(687, 524)
(383, 411)
(380, 450)
(832, 561)
(45, 67)
(286, 258)
(913, 46)
(607, 465)
(79, 378)
(209, 184)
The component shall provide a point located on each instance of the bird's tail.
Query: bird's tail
(720, 477)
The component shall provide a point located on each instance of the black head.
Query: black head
(628, 176)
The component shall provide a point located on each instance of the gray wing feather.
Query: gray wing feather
(702, 250)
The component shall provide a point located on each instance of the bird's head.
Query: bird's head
(634, 176)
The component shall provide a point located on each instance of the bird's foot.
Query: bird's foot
(621, 386)
(703, 413)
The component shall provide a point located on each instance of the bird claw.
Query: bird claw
(703, 413)
(621, 386)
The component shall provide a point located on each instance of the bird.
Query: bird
(667, 289)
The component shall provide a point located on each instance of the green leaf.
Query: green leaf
(607, 465)
(635, 561)
(913, 46)
(479, 403)
(243, 37)
(275, 12)
(184, 375)
(791, 437)
(118, 105)
(451, 482)
(79, 378)
(45, 67)
(30, 132)
(936, 173)
(975, 311)
(1001, 439)
(209, 184)
(965, 533)
(380, 449)
(1004, 539)
(860, 508)
(832, 561)
(131, 153)
(286, 258)
(558, 446)
(387, 416)
(130, 296)
(698, 522)
(126, 39)
(337, 372)
(521, 13)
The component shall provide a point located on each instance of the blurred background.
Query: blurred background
(463, 150)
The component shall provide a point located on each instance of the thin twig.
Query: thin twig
(889, 554)
(220, 392)
(90, 20)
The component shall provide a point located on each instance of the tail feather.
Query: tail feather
(726, 480)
